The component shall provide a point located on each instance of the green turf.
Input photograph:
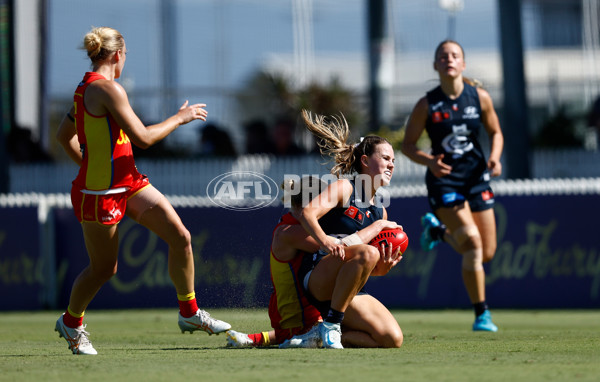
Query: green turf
(146, 345)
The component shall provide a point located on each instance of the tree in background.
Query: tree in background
(560, 130)
(271, 97)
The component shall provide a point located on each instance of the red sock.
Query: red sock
(71, 321)
(257, 338)
(188, 308)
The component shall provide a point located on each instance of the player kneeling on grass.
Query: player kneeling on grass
(334, 277)
(290, 312)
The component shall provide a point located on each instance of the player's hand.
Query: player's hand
(494, 167)
(192, 112)
(388, 224)
(438, 167)
(389, 256)
(387, 260)
(334, 248)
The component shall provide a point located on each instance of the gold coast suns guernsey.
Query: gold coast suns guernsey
(107, 155)
(288, 307)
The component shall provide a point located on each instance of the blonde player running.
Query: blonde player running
(97, 134)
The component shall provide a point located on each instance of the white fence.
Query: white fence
(191, 177)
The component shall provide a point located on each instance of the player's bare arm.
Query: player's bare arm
(414, 129)
(335, 194)
(114, 100)
(491, 123)
(67, 137)
(289, 239)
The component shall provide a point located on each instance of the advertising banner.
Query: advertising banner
(547, 257)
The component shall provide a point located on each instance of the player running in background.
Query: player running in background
(458, 173)
(97, 134)
(290, 312)
(334, 277)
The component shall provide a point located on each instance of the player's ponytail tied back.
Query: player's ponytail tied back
(101, 42)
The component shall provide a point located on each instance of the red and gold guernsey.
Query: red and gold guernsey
(108, 162)
(288, 307)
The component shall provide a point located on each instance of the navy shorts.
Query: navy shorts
(479, 195)
(309, 262)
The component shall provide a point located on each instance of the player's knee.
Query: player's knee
(472, 260)
(393, 339)
(373, 255)
(488, 254)
(104, 273)
(467, 238)
(183, 239)
(368, 255)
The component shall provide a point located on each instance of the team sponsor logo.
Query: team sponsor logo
(470, 112)
(437, 105)
(452, 197)
(242, 190)
(455, 107)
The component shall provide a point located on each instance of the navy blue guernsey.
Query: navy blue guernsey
(350, 218)
(453, 127)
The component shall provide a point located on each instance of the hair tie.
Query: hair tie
(359, 142)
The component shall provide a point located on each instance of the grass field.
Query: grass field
(146, 345)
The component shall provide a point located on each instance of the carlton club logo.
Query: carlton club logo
(242, 191)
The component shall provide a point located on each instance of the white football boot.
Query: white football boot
(310, 339)
(77, 338)
(331, 335)
(238, 339)
(202, 321)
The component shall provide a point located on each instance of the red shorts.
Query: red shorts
(104, 209)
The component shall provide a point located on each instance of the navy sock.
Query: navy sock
(334, 316)
(480, 307)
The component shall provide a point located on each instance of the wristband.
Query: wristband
(351, 240)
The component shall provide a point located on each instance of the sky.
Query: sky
(218, 44)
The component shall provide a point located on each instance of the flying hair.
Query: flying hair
(332, 137)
